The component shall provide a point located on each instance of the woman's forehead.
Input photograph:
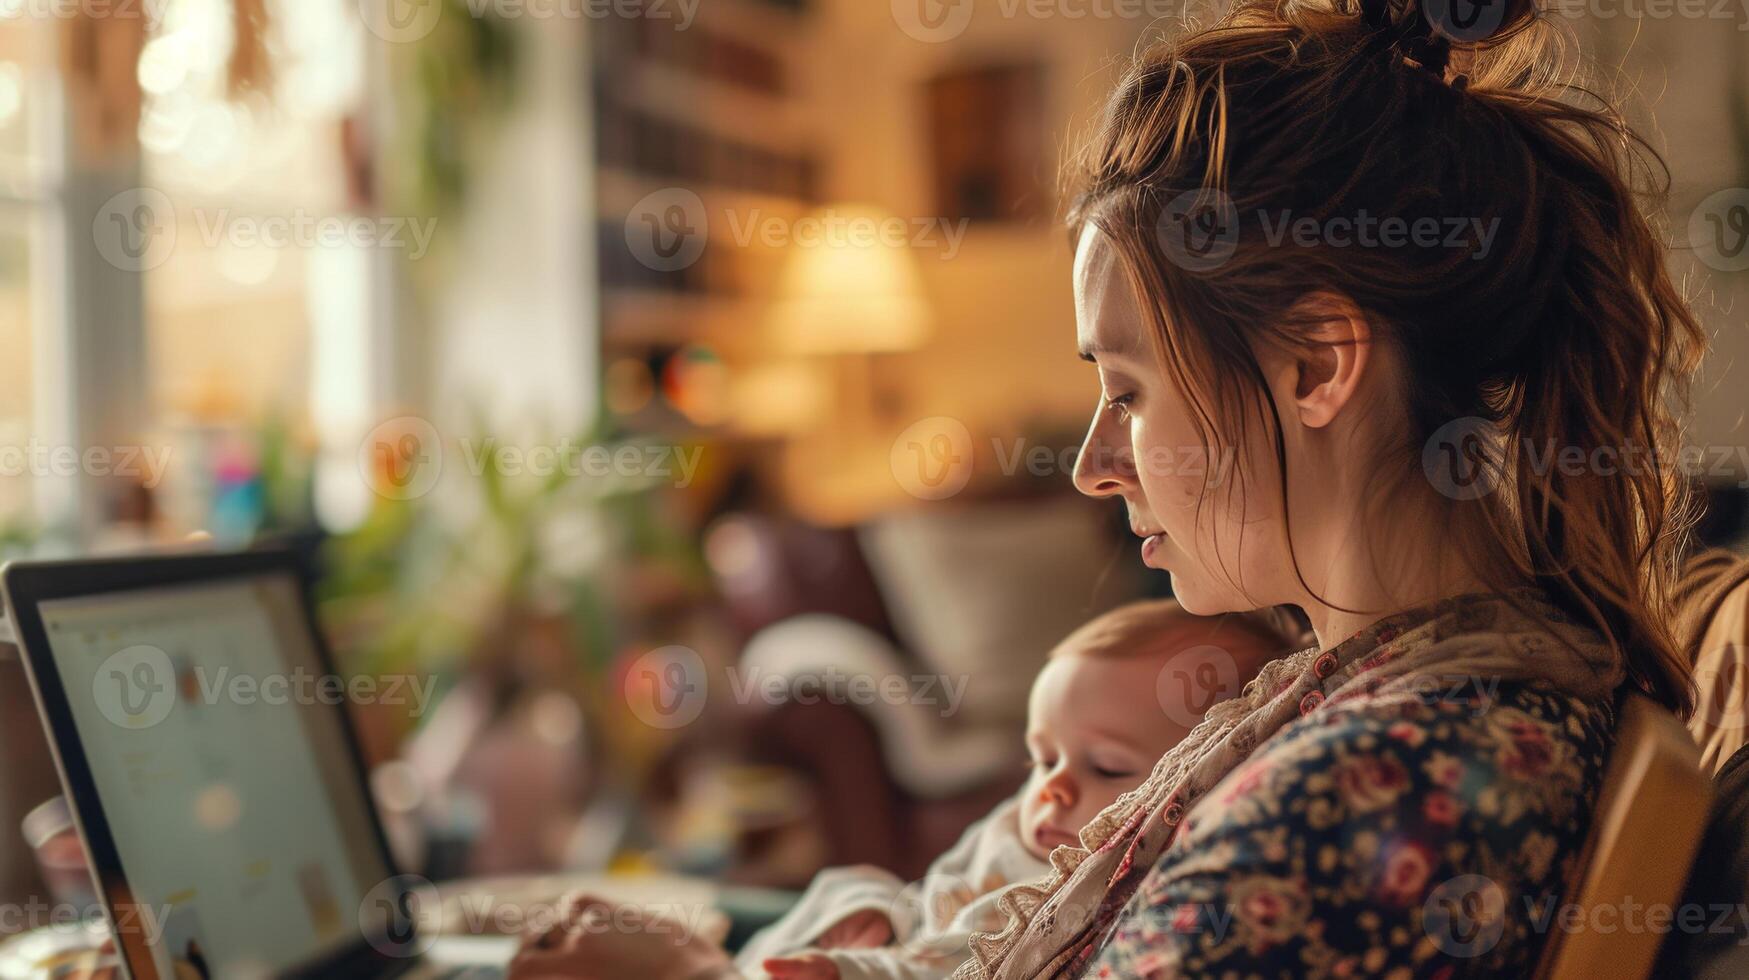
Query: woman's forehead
(1107, 320)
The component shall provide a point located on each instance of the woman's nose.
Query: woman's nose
(1105, 466)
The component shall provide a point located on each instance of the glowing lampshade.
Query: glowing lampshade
(850, 286)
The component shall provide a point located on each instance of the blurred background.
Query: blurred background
(639, 375)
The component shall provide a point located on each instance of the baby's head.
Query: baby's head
(1106, 707)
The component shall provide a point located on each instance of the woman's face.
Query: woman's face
(1145, 447)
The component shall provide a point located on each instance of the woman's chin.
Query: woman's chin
(1199, 599)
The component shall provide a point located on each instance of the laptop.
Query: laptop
(214, 774)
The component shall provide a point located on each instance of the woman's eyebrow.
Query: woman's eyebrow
(1092, 350)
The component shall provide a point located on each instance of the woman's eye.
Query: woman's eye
(1104, 773)
(1120, 406)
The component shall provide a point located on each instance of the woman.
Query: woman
(1402, 279)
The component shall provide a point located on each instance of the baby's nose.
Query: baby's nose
(1058, 789)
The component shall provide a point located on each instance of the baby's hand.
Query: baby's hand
(868, 929)
(810, 966)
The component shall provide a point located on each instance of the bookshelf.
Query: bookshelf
(701, 135)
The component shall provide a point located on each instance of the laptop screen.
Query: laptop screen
(223, 772)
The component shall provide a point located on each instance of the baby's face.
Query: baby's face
(1095, 728)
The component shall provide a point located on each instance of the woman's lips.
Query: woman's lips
(1150, 545)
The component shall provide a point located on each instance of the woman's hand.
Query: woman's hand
(809, 966)
(594, 938)
(868, 929)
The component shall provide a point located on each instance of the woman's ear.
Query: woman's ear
(1332, 358)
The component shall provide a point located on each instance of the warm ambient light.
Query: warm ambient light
(850, 286)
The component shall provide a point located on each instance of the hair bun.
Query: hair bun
(1426, 31)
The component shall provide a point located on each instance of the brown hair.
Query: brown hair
(1153, 626)
(1541, 318)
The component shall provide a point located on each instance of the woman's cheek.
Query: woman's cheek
(1166, 473)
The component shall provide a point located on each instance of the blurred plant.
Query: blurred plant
(457, 83)
(519, 577)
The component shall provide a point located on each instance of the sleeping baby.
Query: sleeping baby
(1111, 700)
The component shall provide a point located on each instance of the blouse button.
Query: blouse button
(1174, 812)
(1324, 666)
(1310, 702)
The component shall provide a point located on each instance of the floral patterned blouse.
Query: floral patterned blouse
(1419, 836)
